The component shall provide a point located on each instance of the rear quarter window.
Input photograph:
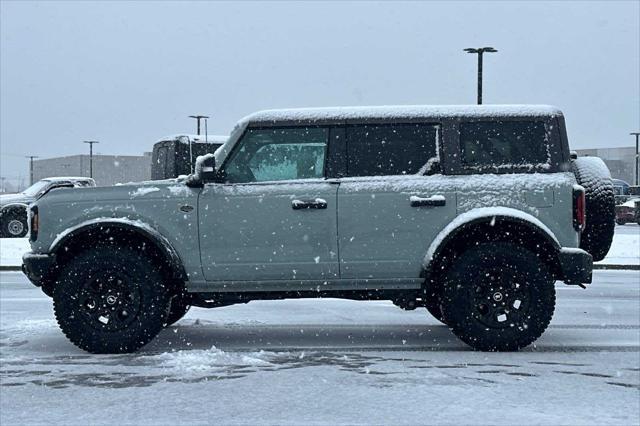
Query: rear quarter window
(505, 145)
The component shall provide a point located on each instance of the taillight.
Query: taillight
(35, 223)
(579, 209)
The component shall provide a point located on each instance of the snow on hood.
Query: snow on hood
(15, 198)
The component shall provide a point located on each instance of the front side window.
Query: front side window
(392, 149)
(504, 144)
(276, 154)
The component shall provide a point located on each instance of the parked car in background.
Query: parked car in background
(621, 190)
(176, 155)
(13, 207)
(628, 212)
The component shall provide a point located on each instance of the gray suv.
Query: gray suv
(472, 212)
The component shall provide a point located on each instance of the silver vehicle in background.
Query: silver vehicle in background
(13, 207)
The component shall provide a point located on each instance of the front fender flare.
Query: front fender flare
(136, 226)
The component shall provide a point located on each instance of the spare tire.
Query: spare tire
(593, 174)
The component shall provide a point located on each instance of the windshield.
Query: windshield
(34, 189)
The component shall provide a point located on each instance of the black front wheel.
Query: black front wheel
(178, 309)
(111, 300)
(498, 297)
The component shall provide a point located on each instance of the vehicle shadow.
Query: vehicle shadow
(280, 337)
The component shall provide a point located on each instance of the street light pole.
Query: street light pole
(198, 118)
(91, 156)
(480, 51)
(636, 134)
(31, 157)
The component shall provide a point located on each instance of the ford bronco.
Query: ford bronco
(472, 212)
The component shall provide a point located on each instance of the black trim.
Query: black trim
(576, 266)
(173, 260)
(37, 266)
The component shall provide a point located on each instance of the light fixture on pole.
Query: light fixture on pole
(637, 134)
(480, 51)
(198, 118)
(91, 156)
(31, 157)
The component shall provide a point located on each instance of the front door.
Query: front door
(274, 217)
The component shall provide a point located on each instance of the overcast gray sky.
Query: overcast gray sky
(128, 73)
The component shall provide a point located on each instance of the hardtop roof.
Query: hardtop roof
(333, 114)
(218, 139)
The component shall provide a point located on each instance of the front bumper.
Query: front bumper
(38, 266)
(576, 266)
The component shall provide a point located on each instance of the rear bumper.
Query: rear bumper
(37, 266)
(576, 266)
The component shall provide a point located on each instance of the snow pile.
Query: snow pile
(12, 249)
(198, 362)
(179, 190)
(143, 190)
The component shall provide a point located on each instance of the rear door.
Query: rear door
(393, 202)
(274, 218)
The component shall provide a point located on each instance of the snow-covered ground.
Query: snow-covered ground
(625, 249)
(12, 249)
(327, 362)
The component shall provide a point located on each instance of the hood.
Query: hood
(15, 198)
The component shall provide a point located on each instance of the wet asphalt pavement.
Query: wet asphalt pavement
(327, 361)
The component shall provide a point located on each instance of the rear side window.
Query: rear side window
(504, 144)
(392, 149)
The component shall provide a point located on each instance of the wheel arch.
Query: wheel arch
(123, 231)
(490, 225)
(14, 206)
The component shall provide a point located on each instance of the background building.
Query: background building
(107, 169)
(621, 161)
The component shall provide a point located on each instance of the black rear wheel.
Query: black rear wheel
(111, 299)
(594, 176)
(498, 297)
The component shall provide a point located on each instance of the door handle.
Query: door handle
(433, 201)
(318, 203)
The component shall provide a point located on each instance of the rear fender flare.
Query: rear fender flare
(485, 216)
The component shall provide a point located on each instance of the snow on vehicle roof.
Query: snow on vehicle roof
(55, 178)
(408, 111)
(198, 138)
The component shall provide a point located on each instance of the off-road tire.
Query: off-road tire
(592, 174)
(432, 301)
(14, 224)
(122, 285)
(489, 280)
(178, 309)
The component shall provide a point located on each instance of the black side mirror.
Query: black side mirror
(206, 168)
